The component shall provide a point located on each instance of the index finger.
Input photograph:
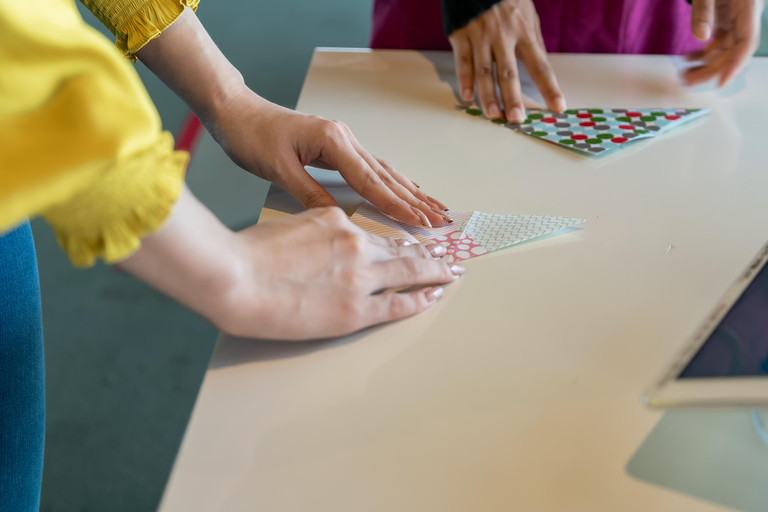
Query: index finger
(366, 182)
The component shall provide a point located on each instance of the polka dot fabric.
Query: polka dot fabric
(471, 234)
(597, 131)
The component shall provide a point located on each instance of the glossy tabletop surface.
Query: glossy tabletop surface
(520, 389)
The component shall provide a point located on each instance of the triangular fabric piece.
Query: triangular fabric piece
(471, 234)
(598, 131)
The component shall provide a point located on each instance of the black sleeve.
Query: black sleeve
(457, 13)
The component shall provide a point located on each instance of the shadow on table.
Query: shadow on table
(232, 351)
(712, 455)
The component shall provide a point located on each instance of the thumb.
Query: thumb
(702, 18)
(306, 189)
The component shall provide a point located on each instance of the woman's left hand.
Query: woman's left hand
(735, 25)
(275, 143)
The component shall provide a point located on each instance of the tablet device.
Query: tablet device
(725, 363)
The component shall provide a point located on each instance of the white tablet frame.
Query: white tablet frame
(669, 391)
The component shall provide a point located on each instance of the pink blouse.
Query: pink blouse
(571, 26)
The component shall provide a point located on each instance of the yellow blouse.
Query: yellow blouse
(80, 140)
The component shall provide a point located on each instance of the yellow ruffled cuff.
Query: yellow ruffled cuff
(131, 200)
(136, 22)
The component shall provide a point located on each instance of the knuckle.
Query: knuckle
(410, 267)
(314, 199)
(370, 181)
(332, 214)
(342, 127)
(354, 278)
(506, 73)
(423, 251)
(351, 310)
(391, 205)
(355, 244)
(484, 70)
(399, 306)
(334, 131)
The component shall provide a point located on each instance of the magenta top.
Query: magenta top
(571, 26)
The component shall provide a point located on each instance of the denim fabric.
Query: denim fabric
(22, 377)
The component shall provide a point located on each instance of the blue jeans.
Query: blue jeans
(22, 374)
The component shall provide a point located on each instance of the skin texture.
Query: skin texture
(311, 275)
(273, 142)
(507, 31)
(487, 49)
(734, 26)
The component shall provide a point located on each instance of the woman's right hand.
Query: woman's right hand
(311, 275)
(316, 275)
(495, 39)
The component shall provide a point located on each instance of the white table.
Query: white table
(520, 389)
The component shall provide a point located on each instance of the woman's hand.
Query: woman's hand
(312, 275)
(736, 28)
(317, 275)
(507, 30)
(273, 142)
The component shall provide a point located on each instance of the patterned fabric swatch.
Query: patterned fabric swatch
(471, 233)
(597, 131)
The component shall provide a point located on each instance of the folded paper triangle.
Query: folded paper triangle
(598, 131)
(471, 233)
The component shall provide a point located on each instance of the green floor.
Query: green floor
(124, 363)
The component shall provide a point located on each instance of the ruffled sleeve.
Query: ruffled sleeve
(136, 22)
(82, 143)
(133, 198)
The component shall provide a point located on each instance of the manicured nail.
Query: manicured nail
(437, 250)
(457, 269)
(702, 31)
(404, 243)
(517, 115)
(444, 216)
(493, 111)
(559, 104)
(423, 218)
(433, 294)
(438, 203)
(467, 93)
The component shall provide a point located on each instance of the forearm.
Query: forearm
(187, 60)
(192, 259)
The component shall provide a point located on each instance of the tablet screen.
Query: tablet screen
(739, 345)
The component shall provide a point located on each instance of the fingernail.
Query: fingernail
(416, 184)
(405, 243)
(434, 293)
(437, 250)
(493, 111)
(517, 115)
(438, 203)
(702, 31)
(466, 94)
(457, 269)
(559, 104)
(423, 218)
(444, 216)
